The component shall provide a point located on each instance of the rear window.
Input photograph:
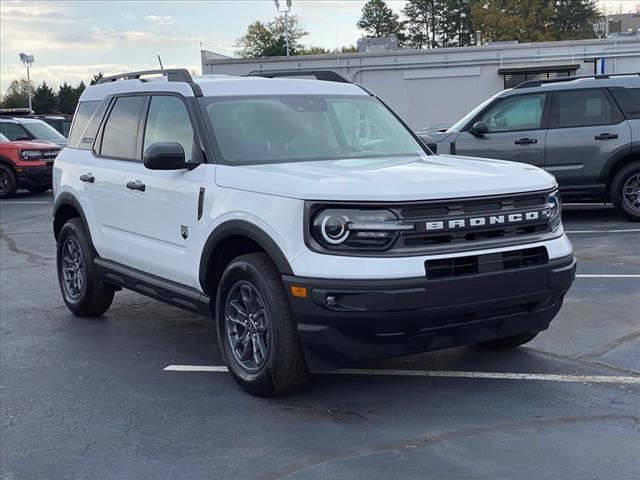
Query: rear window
(629, 101)
(80, 120)
(120, 135)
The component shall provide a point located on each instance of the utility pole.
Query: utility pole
(28, 60)
(286, 21)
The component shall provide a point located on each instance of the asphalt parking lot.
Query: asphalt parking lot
(91, 399)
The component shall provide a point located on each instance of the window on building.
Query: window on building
(516, 78)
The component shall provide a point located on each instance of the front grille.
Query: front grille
(475, 220)
(488, 263)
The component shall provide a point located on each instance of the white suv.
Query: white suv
(305, 218)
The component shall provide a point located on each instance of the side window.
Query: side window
(581, 108)
(516, 113)
(13, 131)
(80, 120)
(168, 121)
(629, 101)
(120, 134)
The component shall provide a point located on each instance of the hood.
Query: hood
(387, 179)
(30, 145)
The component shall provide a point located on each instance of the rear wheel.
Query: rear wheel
(81, 286)
(8, 182)
(40, 189)
(625, 191)
(256, 330)
(510, 342)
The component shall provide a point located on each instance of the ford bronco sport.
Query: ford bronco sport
(583, 130)
(305, 218)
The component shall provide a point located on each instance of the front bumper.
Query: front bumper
(349, 320)
(36, 176)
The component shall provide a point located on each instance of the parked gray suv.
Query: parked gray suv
(583, 130)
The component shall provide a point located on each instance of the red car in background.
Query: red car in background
(25, 164)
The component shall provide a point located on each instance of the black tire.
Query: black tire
(40, 189)
(283, 368)
(510, 342)
(92, 298)
(8, 181)
(626, 181)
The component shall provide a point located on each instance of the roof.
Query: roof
(224, 85)
(630, 80)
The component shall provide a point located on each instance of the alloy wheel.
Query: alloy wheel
(247, 326)
(631, 192)
(72, 268)
(4, 183)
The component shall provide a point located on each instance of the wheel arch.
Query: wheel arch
(228, 241)
(616, 165)
(66, 207)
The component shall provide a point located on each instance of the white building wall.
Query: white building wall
(432, 87)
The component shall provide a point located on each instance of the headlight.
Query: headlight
(553, 210)
(31, 154)
(351, 229)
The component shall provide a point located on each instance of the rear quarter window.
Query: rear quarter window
(629, 101)
(81, 119)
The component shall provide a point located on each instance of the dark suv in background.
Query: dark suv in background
(583, 130)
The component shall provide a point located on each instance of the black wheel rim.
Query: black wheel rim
(72, 268)
(247, 326)
(631, 192)
(4, 183)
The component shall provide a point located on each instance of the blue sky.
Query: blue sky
(73, 39)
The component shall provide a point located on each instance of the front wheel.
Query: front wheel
(8, 182)
(256, 331)
(80, 285)
(625, 191)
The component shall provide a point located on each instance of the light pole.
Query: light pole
(286, 21)
(28, 60)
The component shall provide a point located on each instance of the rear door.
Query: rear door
(517, 127)
(586, 130)
(160, 207)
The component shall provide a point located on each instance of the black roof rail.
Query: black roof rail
(326, 75)
(172, 74)
(537, 83)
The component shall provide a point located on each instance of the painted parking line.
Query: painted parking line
(16, 203)
(622, 230)
(608, 275)
(443, 374)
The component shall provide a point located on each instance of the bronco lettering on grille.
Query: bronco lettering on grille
(483, 221)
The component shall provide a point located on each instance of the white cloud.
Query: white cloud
(160, 19)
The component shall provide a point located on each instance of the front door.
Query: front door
(517, 127)
(162, 206)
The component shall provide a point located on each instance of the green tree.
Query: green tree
(455, 23)
(44, 99)
(573, 19)
(66, 99)
(378, 20)
(269, 39)
(521, 20)
(96, 78)
(17, 95)
(422, 22)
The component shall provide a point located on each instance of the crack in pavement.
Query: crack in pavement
(615, 344)
(437, 438)
(30, 257)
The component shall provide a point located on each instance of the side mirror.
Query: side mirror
(479, 128)
(166, 156)
(428, 141)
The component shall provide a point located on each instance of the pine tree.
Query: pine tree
(44, 99)
(17, 95)
(521, 20)
(378, 20)
(96, 78)
(66, 99)
(573, 19)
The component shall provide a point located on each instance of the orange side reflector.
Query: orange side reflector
(300, 292)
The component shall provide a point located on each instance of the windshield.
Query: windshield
(42, 131)
(460, 124)
(302, 128)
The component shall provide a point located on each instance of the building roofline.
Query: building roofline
(485, 48)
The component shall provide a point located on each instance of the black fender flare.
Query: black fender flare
(246, 229)
(612, 162)
(66, 198)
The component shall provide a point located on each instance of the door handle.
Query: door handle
(87, 177)
(137, 185)
(525, 141)
(606, 136)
